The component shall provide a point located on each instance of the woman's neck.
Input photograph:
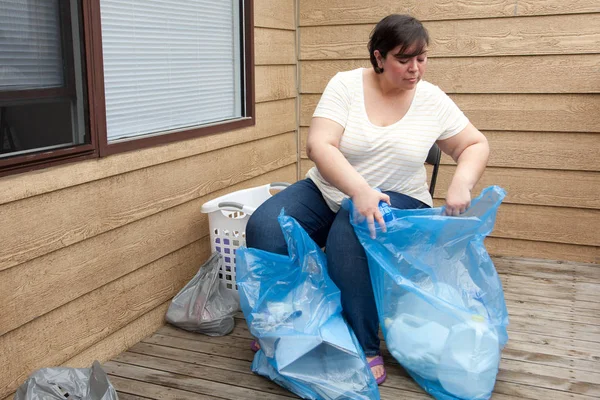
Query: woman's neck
(386, 88)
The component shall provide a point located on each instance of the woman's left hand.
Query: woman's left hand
(458, 199)
(470, 150)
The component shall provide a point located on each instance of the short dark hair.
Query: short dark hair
(397, 30)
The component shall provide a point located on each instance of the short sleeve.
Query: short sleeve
(452, 120)
(335, 101)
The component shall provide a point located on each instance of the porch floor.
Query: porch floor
(553, 352)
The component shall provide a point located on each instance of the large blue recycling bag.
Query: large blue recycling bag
(293, 308)
(439, 298)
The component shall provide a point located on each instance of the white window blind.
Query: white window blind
(30, 45)
(170, 65)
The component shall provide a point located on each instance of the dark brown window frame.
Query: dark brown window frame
(42, 159)
(94, 70)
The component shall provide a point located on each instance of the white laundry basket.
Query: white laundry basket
(227, 219)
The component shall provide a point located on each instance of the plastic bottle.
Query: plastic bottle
(385, 210)
(469, 362)
(417, 333)
(417, 343)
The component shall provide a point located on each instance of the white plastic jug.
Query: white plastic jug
(469, 362)
(418, 334)
(413, 304)
(417, 343)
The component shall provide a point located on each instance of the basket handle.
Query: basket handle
(280, 184)
(240, 206)
(231, 204)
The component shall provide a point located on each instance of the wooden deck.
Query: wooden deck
(553, 352)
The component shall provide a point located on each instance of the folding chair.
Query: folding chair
(433, 158)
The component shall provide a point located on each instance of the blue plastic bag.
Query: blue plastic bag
(439, 298)
(293, 308)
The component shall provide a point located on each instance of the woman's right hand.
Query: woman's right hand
(366, 206)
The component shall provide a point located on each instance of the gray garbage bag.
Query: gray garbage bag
(61, 383)
(202, 305)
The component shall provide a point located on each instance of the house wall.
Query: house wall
(527, 74)
(91, 253)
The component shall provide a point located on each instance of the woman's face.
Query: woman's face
(403, 70)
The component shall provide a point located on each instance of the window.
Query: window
(42, 83)
(91, 78)
(170, 66)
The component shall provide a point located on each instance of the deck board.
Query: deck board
(553, 351)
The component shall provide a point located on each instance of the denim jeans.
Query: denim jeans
(346, 259)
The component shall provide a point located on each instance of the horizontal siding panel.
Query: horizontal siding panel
(314, 75)
(275, 14)
(517, 74)
(548, 224)
(555, 7)
(532, 112)
(43, 224)
(272, 118)
(274, 46)
(275, 82)
(542, 150)
(560, 34)
(531, 150)
(347, 12)
(85, 266)
(575, 189)
(512, 74)
(334, 42)
(513, 112)
(545, 250)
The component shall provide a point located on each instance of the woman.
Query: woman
(373, 128)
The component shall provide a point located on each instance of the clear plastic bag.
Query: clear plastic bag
(293, 308)
(439, 297)
(202, 305)
(61, 383)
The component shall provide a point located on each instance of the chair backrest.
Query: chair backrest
(433, 158)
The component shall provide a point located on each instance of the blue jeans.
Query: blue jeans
(346, 259)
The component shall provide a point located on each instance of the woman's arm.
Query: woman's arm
(322, 147)
(470, 150)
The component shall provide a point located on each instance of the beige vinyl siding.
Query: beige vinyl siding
(511, 74)
(526, 73)
(347, 12)
(93, 252)
(541, 35)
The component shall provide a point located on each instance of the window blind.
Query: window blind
(170, 65)
(30, 45)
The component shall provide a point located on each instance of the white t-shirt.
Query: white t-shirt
(392, 157)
